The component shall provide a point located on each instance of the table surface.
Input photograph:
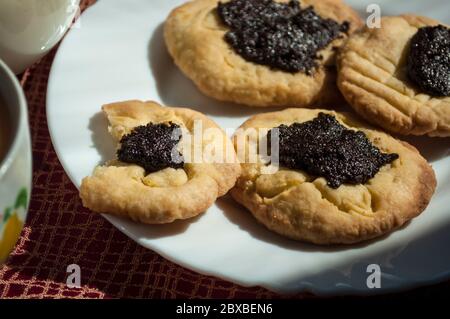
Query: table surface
(59, 232)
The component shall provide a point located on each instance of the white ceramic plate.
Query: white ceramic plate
(117, 53)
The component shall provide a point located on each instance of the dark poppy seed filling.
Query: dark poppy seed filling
(323, 147)
(280, 35)
(429, 60)
(152, 146)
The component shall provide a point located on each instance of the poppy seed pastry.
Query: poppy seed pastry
(145, 183)
(387, 181)
(233, 54)
(398, 76)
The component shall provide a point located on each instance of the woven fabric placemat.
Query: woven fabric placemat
(59, 232)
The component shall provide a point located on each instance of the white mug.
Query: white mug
(30, 28)
(15, 160)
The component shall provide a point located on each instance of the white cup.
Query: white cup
(15, 161)
(30, 28)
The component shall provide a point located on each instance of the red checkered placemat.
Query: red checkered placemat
(59, 232)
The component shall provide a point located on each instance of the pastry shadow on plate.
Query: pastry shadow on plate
(175, 89)
(147, 231)
(404, 266)
(102, 140)
(432, 148)
(238, 215)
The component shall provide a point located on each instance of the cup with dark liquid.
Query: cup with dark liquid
(15, 160)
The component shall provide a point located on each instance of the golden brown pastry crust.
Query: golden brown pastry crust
(372, 77)
(194, 37)
(125, 190)
(304, 208)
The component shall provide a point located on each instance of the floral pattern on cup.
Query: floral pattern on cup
(11, 223)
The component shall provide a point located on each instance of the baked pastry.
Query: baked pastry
(338, 182)
(398, 76)
(157, 177)
(286, 58)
